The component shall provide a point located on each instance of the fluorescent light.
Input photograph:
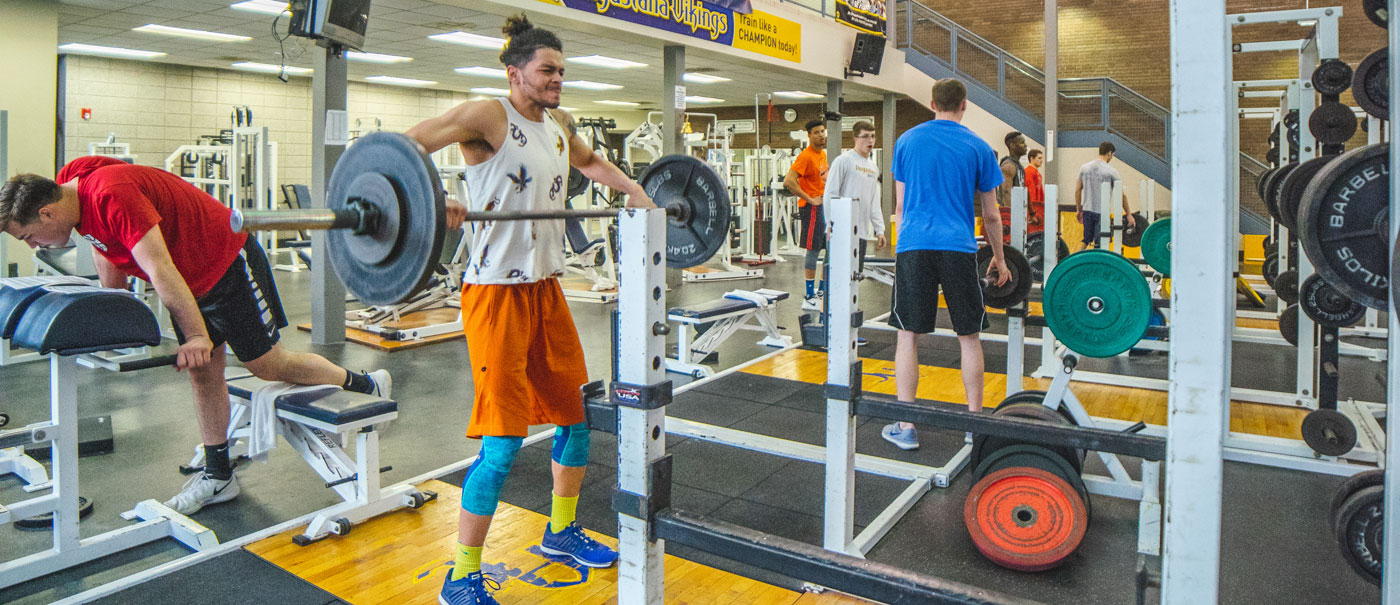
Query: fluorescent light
(695, 99)
(268, 68)
(467, 39)
(375, 57)
(608, 62)
(703, 78)
(485, 72)
(618, 103)
(586, 85)
(266, 7)
(399, 81)
(109, 51)
(568, 109)
(486, 90)
(197, 34)
(796, 94)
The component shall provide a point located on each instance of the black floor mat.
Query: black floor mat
(238, 577)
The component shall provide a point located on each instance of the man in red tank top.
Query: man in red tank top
(152, 225)
(1035, 190)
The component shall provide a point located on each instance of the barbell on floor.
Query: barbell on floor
(386, 215)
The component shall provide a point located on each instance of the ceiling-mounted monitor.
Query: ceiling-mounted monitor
(340, 22)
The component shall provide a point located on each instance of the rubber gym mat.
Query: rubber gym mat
(234, 578)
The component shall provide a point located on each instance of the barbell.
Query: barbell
(386, 215)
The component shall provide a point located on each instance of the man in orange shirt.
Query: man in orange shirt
(806, 179)
(1035, 190)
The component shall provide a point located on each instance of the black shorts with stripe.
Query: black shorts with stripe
(919, 276)
(243, 310)
(813, 227)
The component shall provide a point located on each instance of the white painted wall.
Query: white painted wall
(28, 37)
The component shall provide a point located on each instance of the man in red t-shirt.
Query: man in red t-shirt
(150, 224)
(1035, 190)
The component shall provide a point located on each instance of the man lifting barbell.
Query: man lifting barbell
(150, 224)
(527, 362)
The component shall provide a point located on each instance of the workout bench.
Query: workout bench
(717, 320)
(318, 424)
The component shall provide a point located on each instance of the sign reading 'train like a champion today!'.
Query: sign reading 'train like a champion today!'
(757, 32)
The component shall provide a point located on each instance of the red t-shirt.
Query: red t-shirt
(1035, 185)
(121, 202)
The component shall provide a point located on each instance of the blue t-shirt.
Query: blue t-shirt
(941, 164)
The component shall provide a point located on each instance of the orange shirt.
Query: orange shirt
(810, 167)
(1035, 185)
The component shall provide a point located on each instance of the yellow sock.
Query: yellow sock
(561, 514)
(468, 560)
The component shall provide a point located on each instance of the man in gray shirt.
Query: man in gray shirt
(1088, 207)
(854, 175)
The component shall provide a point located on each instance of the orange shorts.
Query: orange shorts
(527, 363)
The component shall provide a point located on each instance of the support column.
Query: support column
(833, 129)
(887, 141)
(1200, 357)
(673, 100)
(1390, 588)
(1050, 173)
(328, 103)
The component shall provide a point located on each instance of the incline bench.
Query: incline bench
(318, 424)
(717, 320)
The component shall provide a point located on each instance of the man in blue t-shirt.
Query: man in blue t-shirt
(940, 167)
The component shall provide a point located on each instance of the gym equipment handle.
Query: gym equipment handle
(146, 364)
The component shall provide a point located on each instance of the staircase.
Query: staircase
(1092, 110)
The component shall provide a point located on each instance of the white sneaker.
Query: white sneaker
(383, 383)
(812, 303)
(201, 491)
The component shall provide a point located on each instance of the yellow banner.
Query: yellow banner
(769, 35)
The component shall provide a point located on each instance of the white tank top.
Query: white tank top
(529, 172)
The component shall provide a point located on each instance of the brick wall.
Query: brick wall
(1128, 40)
(908, 114)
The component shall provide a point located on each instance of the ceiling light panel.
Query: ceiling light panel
(266, 7)
(268, 68)
(608, 62)
(486, 90)
(466, 39)
(197, 34)
(704, 79)
(702, 100)
(109, 51)
(587, 85)
(485, 72)
(618, 103)
(375, 57)
(796, 94)
(399, 81)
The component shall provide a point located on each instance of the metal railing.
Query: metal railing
(1101, 104)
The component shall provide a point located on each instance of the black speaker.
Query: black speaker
(868, 54)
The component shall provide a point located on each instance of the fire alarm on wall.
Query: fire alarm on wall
(87, 113)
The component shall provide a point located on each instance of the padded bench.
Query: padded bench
(715, 321)
(319, 424)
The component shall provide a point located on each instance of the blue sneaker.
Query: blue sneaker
(470, 590)
(572, 542)
(905, 439)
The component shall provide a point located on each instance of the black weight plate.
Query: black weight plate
(1318, 423)
(1035, 252)
(373, 277)
(1271, 156)
(1353, 484)
(1290, 189)
(1028, 405)
(1015, 289)
(1358, 529)
(1293, 141)
(1260, 180)
(1326, 306)
(1371, 84)
(1291, 118)
(1288, 324)
(577, 182)
(1034, 456)
(378, 246)
(1272, 187)
(1273, 138)
(1377, 12)
(1332, 122)
(45, 521)
(1270, 268)
(1132, 234)
(1332, 77)
(1286, 286)
(1344, 224)
(702, 226)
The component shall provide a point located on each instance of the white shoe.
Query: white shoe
(201, 491)
(812, 303)
(383, 383)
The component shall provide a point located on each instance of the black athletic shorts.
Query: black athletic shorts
(1091, 227)
(243, 309)
(918, 277)
(813, 227)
